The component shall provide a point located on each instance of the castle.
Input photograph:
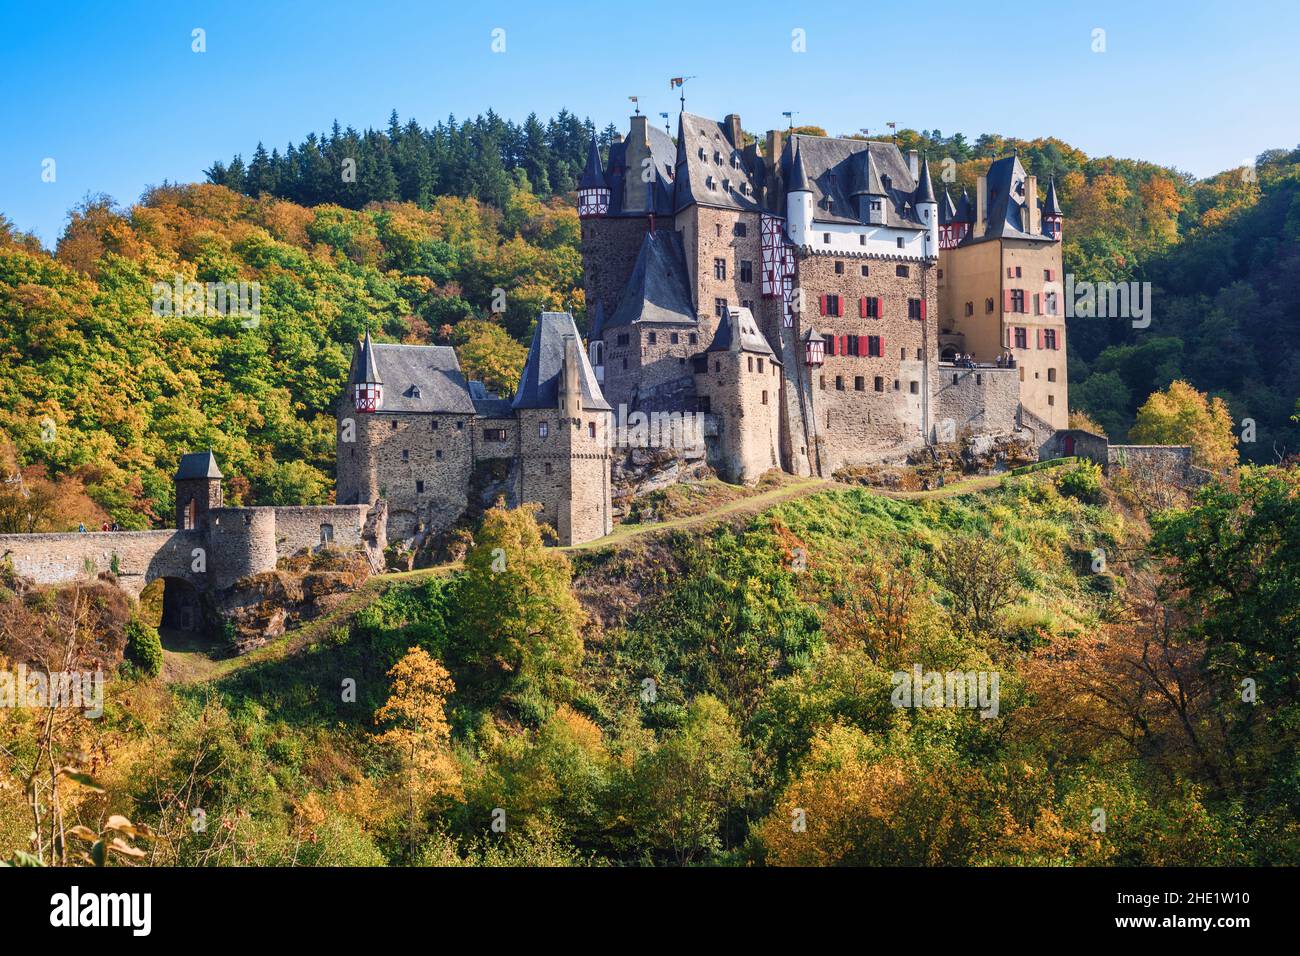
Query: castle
(813, 301)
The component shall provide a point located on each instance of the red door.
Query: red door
(1069, 445)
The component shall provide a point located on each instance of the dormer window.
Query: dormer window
(413, 392)
(701, 151)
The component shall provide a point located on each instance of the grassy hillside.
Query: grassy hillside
(722, 694)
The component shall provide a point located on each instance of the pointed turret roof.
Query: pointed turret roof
(593, 177)
(799, 177)
(369, 369)
(198, 464)
(947, 211)
(965, 211)
(539, 385)
(925, 189)
(1052, 207)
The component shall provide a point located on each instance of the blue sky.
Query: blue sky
(114, 94)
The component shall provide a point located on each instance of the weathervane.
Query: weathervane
(789, 115)
(679, 82)
(636, 103)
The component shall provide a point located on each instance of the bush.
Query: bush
(1083, 482)
(144, 648)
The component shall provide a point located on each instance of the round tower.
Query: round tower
(799, 203)
(241, 541)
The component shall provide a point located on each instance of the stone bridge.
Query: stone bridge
(135, 557)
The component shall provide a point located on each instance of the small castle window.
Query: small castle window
(1051, 399)
(326, 535)
(438, 454)
(914, 387)
(750, 362)
(839, 267)
(866, 270)
(760, 365)
(988, 305)
(694, 339)
(652, 338)
(746, 271)
(543, 429)
(591, 429)
(494, 434)
(738, 229)
(673, 338)
(859, 383)
(717, 366)
(419, 486)
(719, 268)
(979, 379)
(826, 238)
(862, 241)
(406, 454)
(879, 384)
(1051, 375)
(899, 240)
(433, 425)
(839, 383)
(393, 423)
(460, 426)
(546, 467)
(764, 396)
(970, 308)
(896, 385)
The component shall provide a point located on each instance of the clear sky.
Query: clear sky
(114, 94)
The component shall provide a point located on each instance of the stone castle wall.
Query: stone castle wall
(744, 392)
(864, 405)
(609, 251)
(142, 556)
(977, 401)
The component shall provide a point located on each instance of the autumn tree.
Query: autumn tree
(1180, 415)
(979, 573)
(687, 785)
(516, 605)
(876, 602)
(418, 735)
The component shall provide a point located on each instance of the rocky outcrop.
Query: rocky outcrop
(261, 607)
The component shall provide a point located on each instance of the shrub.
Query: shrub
(1083, 482)
(144, 648)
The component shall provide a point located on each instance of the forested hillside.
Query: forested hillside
(727, 695)
(101, 395)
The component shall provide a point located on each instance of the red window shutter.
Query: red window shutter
(1006, 300)
(1060, 337)
(880, 345)
(822, 298)
(923, 310)
(880, 308)
(1040, 338)
(862, 307)
(863, 348)
(1038, 309)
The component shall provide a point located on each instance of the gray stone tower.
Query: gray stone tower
(198, 489)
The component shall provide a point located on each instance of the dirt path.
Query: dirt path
(187, 661)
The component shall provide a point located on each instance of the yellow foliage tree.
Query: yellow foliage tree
(419, 736)
(1180, 415)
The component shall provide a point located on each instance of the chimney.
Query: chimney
(1032, 223)
(635, 192)
(731, 125)
(772, 156)
(981, 206)
(570, 389)
(914, 164)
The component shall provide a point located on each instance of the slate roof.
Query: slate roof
(658, 290)
(1006, 203)
(367, 362)
(838, 169)
(593, 177)
(664, 154)
(539, 385)
(947, 211)
(1052, 206)
(597, 330)
(488, 404)
(417, 378)
(198, 464)
(925, 188)
(750, 338)
(710, 169)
